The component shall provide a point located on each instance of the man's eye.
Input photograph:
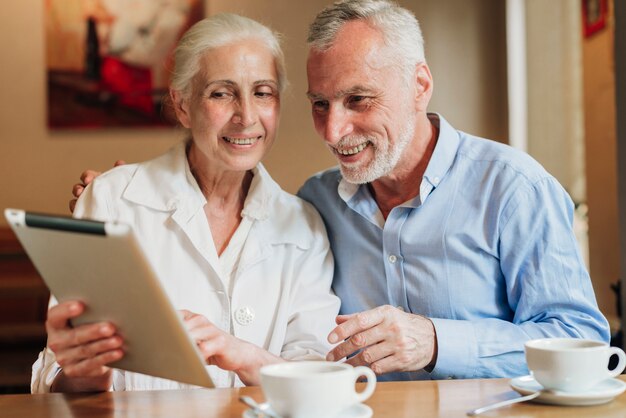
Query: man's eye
(357, 99)
(320, 105)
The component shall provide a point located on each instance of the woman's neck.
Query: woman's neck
(225, 193)
(221, 188)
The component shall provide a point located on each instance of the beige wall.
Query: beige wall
(38, 167)
(555, 108)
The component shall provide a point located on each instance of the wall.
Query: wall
(555, 108)
(38, 167)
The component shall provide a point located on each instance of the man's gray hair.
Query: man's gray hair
(399, 27)
(217, 31)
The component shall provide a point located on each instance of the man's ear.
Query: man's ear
(424, 86)
(181, 107)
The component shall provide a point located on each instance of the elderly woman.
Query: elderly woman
(248, 264)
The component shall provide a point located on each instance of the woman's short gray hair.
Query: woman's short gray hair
(399, 27)
(214, 32)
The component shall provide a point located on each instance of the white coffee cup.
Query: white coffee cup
(571, 365)
(313, 389)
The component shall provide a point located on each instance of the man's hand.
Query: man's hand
(83, 352)
(226, 351)
(85, 178)
(390, 340)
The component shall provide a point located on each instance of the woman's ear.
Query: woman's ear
(424, 86)
(181, 108)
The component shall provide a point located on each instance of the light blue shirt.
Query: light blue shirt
(486, 251)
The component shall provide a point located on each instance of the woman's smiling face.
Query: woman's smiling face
(234, 104)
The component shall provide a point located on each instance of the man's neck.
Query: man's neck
(404, 182)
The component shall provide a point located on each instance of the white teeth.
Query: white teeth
(241, 141)
(352, 151)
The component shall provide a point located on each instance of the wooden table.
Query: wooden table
(449, 398)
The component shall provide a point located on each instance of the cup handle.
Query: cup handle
(622, 361)
(371, 382)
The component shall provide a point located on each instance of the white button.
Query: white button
(436, 180)
(244, 316)
(392, 258)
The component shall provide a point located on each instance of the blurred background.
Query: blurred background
(539, 75)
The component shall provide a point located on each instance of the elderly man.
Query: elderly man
(450, 250)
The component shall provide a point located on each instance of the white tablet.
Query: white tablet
(103, 265)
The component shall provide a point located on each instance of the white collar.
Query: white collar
(167, 184)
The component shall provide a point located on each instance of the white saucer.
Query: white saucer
(603, 392)
(358, 410)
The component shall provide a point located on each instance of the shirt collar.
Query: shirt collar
(166, 183)
(444, 152)
(257, 204)
(438, 166)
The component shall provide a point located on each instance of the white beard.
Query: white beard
(385, 159)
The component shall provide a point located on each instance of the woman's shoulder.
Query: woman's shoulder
(116, 178)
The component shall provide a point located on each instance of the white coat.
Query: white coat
(280, 298)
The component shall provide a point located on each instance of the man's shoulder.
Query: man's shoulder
(493, 155)
(321, 185)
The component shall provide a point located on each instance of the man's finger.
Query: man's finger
(357, 342)
(87, 176)
(119, 163)
(78, 189)
(357, 323)
(340, 319)
(72, 205)
(387, 365)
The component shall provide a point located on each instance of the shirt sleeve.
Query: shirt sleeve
(45, 368)
(548, 290)
(314, 306)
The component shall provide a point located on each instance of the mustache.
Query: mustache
(351, 141)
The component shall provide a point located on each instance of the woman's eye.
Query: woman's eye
(219, 94)
(263, 93)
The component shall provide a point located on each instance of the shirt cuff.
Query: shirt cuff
(457, 349)
(44, 371)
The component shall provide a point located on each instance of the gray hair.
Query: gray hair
(214, 32)
(399, 27)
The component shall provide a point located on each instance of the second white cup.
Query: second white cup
(571, 365)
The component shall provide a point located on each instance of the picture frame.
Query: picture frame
(108, 62)
(594, 14)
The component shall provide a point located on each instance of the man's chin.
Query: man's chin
(356, 176)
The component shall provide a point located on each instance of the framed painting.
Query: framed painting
(108, 61)
(594, 16)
